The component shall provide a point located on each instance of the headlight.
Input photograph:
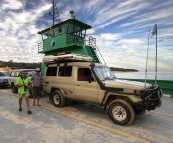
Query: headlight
(137, 91)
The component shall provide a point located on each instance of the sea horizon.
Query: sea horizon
(166, 75)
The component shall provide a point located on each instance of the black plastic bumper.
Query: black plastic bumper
(4, 83)
(152, 98)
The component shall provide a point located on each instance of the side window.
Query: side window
(70, 28)
(51, 71)
(16, 74)
(12, 73)
(65, 71)
(45, 35)
(84, 74)
(30, 74)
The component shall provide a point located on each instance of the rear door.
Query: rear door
(66, 80)
(60, 78)
(49, 78)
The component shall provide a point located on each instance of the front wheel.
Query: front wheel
(58, 99)
(121, 112)
(31, 93)
(14, 88)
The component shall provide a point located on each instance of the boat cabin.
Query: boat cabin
(63, 37)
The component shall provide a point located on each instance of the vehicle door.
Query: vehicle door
(65, 80)
(49, 78)
(10, 79)
(86, 87)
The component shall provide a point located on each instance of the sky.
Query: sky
(121, 29)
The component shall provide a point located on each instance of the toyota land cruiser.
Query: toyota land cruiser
(77, 78)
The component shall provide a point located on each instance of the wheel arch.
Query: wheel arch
(54, 89)
(12, 83)
(112, 97)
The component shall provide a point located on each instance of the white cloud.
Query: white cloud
(120, 28)
(90, 31)
(20, 33)
(109, 36)
(12, 4)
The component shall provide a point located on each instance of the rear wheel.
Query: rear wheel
(14, 88)
(58, 99)
(121, 112)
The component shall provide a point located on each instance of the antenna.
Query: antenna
(72, 12)
(55, 13)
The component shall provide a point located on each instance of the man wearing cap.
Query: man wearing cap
(23, 83)
(37, 82)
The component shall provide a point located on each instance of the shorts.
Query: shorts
(22, 95)
(36, 91)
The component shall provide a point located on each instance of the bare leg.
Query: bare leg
(27, 102)
(34, 101)
(20, 102)
(38, 99)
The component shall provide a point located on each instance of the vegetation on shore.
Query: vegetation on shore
(123, 70)
(22, 65)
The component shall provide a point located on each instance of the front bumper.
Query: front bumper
(152, 98)
(4, 83)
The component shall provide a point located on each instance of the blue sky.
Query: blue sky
(120, 27)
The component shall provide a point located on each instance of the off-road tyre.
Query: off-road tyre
(58, 99)
(14, 88)
(121, 112)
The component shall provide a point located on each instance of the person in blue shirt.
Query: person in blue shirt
(37, 83)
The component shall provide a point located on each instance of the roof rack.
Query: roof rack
(71, 57)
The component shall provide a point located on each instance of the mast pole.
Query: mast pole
(147, 59)
(53, 12)
(156, 59)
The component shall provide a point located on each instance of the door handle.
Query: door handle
(77, 85)
(47, 82)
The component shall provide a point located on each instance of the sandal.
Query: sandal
(33, 104)
(20, 109)
(29, 112)
(38, 105)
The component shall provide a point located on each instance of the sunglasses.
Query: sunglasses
(24, 73)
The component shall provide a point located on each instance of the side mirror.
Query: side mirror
(89, 79)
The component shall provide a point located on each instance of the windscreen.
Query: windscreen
(2, 74)
(104, 73)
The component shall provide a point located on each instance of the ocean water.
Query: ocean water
(141, 75)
